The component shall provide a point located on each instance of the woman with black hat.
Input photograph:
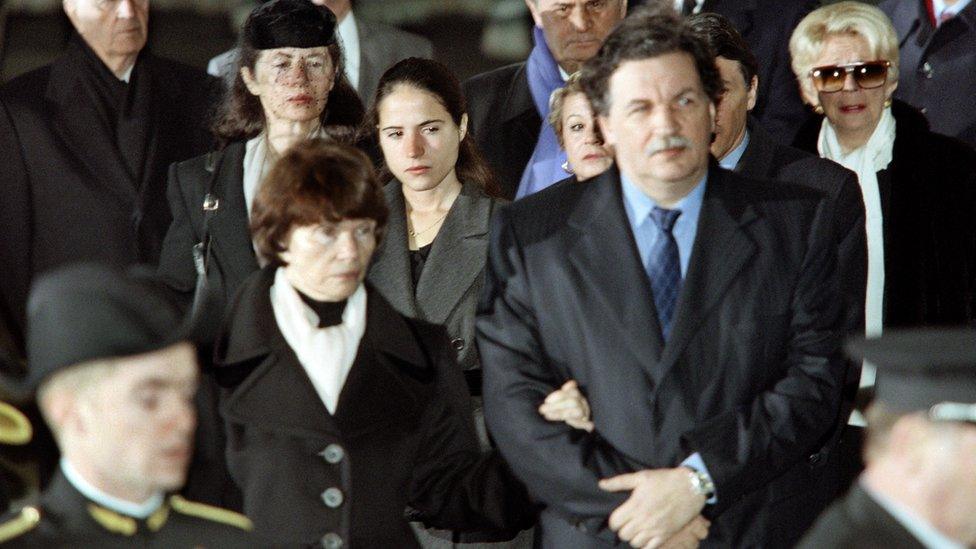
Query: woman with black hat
(289, 87)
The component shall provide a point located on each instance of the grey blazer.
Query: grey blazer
(454, 274)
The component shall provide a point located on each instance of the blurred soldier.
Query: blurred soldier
(86, 142)
(919, 487)
(115, 381)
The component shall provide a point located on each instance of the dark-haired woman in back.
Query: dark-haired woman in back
(431, 263)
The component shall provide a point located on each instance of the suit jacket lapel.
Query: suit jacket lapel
(229, 226)
(457, 257)
(608, 266)
(91, 146)
(253, 335)
(722, 248)
(369, 70)
(520, 128)
(391, 268)
(757, 159)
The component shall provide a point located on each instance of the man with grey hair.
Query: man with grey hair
(114, 377)
(86, 142)
(697, 310)
(506, 106)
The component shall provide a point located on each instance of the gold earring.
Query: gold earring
(818, 109)
(887, 103)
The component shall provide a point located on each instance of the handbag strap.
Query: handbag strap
(211, 203)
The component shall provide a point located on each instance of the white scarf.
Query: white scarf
(866, 161)
(326, 354)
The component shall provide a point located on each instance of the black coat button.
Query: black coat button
(332, 541)
(814, 459)
(458, 344)
(332, 497)
(333, 453)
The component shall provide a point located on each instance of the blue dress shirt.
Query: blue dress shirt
(638, 207)
(731, 160)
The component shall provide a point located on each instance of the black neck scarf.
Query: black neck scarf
(329, 312)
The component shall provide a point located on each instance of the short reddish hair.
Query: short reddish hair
(315, 181)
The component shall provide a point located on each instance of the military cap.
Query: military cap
(289, 24)
(87, 312)
(926, 369)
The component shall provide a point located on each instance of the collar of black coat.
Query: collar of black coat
(66, 70)
(252, 333)
(910, 124)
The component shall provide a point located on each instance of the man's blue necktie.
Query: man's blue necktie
(664, 268)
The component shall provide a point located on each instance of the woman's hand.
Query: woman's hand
(569, 405)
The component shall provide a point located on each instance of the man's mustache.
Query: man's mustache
(667, 142)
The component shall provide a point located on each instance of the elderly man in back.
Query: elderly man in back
(506, 106)
(86, 142)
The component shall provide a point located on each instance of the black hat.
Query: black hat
(88, 312)
(289, 24)
(930, 369)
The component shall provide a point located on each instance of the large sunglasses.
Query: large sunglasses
(867, 75)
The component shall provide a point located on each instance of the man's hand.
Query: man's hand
(661, 503)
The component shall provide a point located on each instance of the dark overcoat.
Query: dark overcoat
(67, 195)
(402, 435)
(937, 66)
(858, 522)
(504, 122)
(750, 377)
(928, 196)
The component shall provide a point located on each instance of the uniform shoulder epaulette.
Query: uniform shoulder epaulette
(24, 522)
(210, 512)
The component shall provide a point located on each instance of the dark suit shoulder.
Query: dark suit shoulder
(27, 88)
(407, 44)
(487, 89)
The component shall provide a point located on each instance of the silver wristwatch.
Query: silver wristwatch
(701, 484)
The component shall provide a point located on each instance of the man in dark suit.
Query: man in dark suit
(697, 310)
(937, 61)
(86, 142)
(742, 145)
(766, 26)
(368, 48)
(919, 487)
(506, 106)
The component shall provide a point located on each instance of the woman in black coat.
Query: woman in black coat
(919, 187)
(290, 86)
(340, 413)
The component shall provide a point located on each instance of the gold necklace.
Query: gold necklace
(432, 225)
